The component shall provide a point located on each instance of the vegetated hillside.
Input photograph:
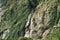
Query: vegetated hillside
(30, 20)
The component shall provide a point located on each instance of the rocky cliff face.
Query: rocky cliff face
(38, 19)
(44, 19)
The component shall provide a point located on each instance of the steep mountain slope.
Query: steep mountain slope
(30, 20)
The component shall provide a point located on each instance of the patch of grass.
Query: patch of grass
(24, 38)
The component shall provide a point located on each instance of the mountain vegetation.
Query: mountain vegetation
(30, 19)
